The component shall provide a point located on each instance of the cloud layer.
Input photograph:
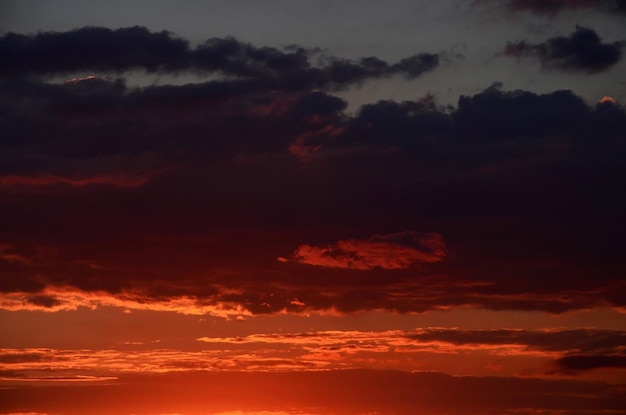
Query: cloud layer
(506, 352)
(182, 197)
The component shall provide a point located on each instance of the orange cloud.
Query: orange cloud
(393, 251)
(396, 341)
(453, 351)
(55, 299)
(56, 365)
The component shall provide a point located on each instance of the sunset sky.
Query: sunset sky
(312, 207)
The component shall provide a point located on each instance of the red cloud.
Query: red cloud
(393, 251)
(7, 253)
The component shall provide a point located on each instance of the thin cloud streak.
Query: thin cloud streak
(55, 300)
(540, 353)
(539, 341)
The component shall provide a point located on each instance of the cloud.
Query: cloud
(44, 301)
(575, 364)
(104, 50)
(67, 299)
(19, 356)
(552, 7)
(393, 251)
(581, 51)
(210, 183)
(91, 49)
(67, 364)
(566, 341)
(454, 351)
(353, 346)
(438, 136)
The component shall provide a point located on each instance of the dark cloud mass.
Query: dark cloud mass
(44, 301)
(92, 49)
(552, 7)
(582, 349)
(106, 50)
(572, 365)
(581, 51)
(207, 190)
(572, 341)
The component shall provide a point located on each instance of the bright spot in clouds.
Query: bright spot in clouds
(393, 251)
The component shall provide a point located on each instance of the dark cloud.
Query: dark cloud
(45, 301)
(416, 65)
(92, 49)
(575, 341)
(553, 7)
(494, 116)
(136, 48)
(571, 365)
(12, 358)
(581, 51)
(195, 191)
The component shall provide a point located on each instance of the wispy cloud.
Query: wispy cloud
(506, 352)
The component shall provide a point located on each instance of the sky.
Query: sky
(313, 207)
